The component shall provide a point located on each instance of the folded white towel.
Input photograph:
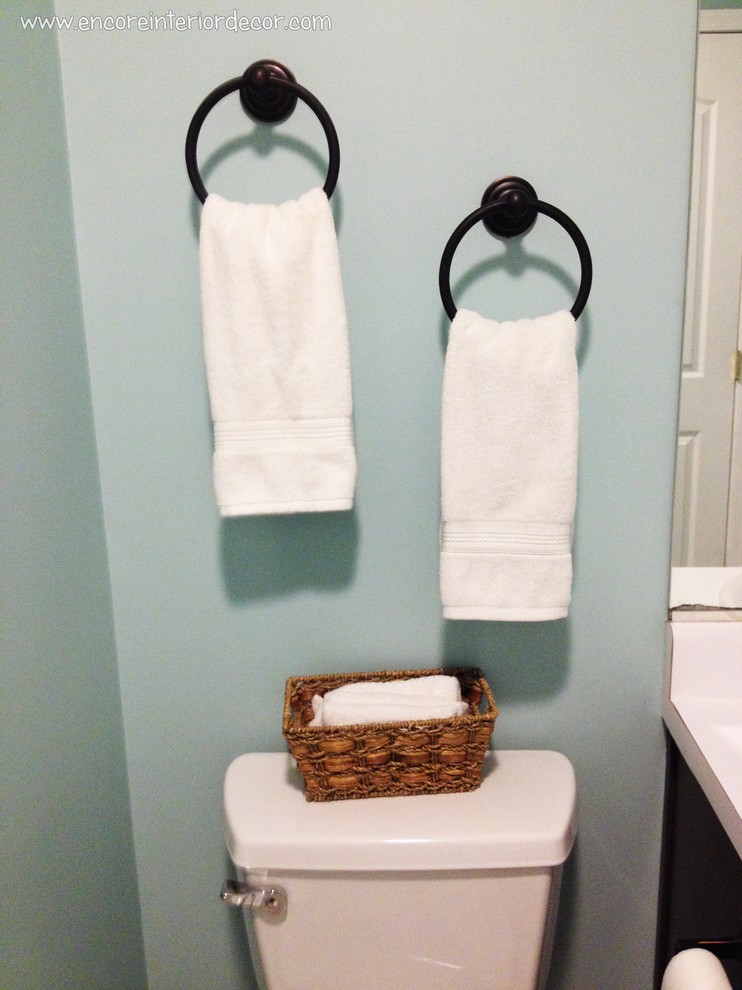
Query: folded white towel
(441, 686)
(508, 468)
(277, 357)
(361, 702)
(382, 708)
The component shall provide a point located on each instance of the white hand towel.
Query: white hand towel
(508, 468)
(277, 357)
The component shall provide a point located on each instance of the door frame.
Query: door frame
(715, 22)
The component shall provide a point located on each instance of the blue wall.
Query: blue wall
(431, 101)
(70, 906)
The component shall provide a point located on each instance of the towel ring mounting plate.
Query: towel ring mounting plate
(509, 207)
(518, 214)
(268, 93)
(260, 95)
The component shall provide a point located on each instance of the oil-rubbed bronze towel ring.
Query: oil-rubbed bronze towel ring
(509, 207)
(268, 93)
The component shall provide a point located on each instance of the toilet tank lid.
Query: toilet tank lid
(522, 815)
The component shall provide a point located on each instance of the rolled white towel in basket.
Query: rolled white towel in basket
(407, 699)
(385, 710)
(443, 686)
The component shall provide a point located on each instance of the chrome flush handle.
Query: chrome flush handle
(270, 901)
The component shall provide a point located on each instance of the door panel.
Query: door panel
(712, 308)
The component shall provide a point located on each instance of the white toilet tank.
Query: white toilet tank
(433, 892)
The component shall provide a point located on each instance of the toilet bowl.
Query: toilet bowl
(432, 892)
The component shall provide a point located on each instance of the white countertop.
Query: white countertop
(702, 708)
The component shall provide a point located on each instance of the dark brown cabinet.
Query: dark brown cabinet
(701, 876)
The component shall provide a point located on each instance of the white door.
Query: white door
(711, 336)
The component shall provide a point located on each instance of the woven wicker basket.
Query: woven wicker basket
(385, 759)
